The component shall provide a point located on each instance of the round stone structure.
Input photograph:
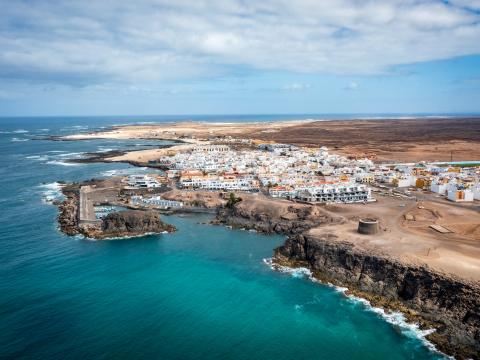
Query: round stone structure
(367, 226)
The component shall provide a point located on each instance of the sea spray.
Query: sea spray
(51, 192)
(395, 318)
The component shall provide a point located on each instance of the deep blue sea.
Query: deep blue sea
(200, 293)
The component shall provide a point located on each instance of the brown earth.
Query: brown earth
(394, 140)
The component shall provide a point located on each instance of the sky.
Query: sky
(153, 57)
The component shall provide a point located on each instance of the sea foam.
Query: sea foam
(395, 318)
(51, 192)
(62, 163)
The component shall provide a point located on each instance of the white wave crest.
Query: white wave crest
(71, 155)
(394, 318)
(18, 139)
(62, 163)
(51, 192)
(37, 157)
(20, 131)
(128, 171)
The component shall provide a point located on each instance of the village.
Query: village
(313, 175)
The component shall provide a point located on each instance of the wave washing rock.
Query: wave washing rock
(271, 219)
(447, 303)
(129, 223)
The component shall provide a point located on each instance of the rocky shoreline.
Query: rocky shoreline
(444, 302)
(431, 299)
(296, 219)
(127, 223)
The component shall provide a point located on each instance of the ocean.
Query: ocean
(203, 292)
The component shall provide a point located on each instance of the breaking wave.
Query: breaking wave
(37, 157)
(395, 318)
(128, 171)
(62, 163)
(51, 192)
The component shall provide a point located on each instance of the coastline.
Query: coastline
(296, 224)
(394, 317)
(425, 296)
(449, 337)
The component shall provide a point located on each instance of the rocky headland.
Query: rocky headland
(432, 299)
(270, 216)
(128, 223)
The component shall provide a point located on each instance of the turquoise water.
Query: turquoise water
(201, 293)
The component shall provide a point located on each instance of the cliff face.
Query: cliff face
(130, 223)
(449, 304)
(291, 220)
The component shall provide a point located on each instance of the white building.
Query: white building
(460, 195)
(156, 201)
(437, 187)
(143, 181)
(211, 148)
(336, 193)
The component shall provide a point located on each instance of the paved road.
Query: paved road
(87, 212)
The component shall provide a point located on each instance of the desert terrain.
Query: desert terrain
(405, 232)
(389, 140)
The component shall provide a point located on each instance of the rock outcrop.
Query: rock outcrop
(68, 213)
(449, 304)
(290, 220)
(128, 223)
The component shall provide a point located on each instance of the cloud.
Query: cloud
(87, 43)
(352, 86)
(295, 87)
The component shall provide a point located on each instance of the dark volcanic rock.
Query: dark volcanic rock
(132, 222)
(296, 220)
(68, 213)
(450, 304)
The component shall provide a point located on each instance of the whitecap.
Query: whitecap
(398, 320)
(37, 157)
(18, 139)
(73, 154)
(62, 163)
(128, 171)
(51, 192)
(20, 131)
(105, 149)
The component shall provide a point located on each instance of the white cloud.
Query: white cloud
(352, 86)
(84, 43)
(295, 87)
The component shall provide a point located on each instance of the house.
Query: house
(143, 181)
(460, 195)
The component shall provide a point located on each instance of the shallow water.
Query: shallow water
(203, 292)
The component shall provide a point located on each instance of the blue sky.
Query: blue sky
(239, 57)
